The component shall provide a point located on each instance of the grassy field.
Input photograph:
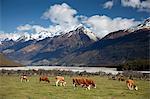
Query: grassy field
(12, 88)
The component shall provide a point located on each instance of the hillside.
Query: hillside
(4, 62)
(108, 52)
(49, 50)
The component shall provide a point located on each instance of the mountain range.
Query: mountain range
(81, 47)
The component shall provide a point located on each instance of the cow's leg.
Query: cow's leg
(95, 86)
(61, 83)
(57, 82)
(74, 85)
(82, 85)
(89, 87)
(64, 83)
(27, 80)
(21, 79)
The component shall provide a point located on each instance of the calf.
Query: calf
(24, 77)
(121, 78)
(60, 80)
(131, 84)
(44, 78)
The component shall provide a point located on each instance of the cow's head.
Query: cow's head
(135, 87)
(94, 85)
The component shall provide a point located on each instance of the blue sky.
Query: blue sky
(19, 12)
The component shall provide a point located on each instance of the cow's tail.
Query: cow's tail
(73, 81)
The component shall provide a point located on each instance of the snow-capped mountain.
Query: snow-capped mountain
(24, 38)
(44, 34)
(85, 30)
(144, 25)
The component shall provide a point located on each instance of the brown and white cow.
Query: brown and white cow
(24, 77)
(60, 80)
(44, 78)
(84, 82)
(131, 84)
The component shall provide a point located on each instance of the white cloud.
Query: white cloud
(140, 5)
(108, 4)
(65, 17)
(62, 15)
(102, 25)
(131, 3)
(24, 27)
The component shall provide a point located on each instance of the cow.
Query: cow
(84, 82)
(44, 78)
(24, 77)
(121, 78)
(131, 84)
(60, 80)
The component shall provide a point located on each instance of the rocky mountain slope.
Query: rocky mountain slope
(48, 50)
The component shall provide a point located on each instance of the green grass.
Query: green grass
(12, 88)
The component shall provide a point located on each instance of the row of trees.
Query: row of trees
(71, 73)
(50, 72)
(139, 65)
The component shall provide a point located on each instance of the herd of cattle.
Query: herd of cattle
(78, 81)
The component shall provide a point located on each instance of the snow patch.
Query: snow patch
(145, 24)
(90, 34)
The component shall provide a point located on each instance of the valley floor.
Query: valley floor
(12, 88)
